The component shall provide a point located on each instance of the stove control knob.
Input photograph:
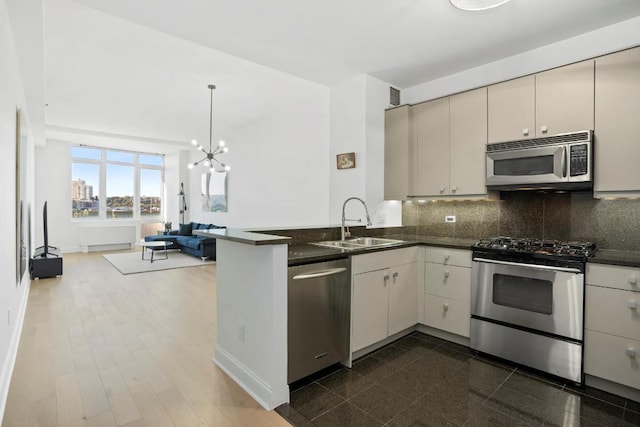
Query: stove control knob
(632, 304)
(631, 352)
(633, 280)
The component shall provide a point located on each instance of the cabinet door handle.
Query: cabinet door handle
(445, 307)
(632, 304)
(442, 189)
(631, 352)
(632, 280)
(525, 131)
(446, 258)
(386, 277)
(454, 188)
(543, 129)
(446, 274)
(395, 275)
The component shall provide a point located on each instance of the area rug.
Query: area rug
(131, 262)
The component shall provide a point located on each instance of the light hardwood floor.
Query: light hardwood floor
(102, 349)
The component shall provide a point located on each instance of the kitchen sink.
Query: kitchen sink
(374, 241)
(358, 243)
(338, 244)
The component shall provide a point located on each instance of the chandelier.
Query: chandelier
(209, 159)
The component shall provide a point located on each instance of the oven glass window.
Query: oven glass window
(537, 165)
(523, 293)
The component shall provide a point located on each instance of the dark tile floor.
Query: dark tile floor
(424, 381)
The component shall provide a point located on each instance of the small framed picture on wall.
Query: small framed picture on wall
(346, 160)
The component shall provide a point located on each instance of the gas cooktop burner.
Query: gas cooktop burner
(553, 248)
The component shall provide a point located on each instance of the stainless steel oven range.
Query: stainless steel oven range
(527, 302)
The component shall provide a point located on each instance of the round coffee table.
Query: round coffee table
(154, 246)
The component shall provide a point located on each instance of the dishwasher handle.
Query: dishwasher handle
(321, 273)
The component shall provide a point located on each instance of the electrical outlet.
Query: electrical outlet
(450, 218)
(241, 332)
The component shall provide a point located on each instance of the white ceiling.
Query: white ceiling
(142, 67)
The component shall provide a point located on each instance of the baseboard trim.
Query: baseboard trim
(12, 354)
(258, 389)
(611, 387)
(448, 336)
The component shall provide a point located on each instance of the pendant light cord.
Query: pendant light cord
(211, 87)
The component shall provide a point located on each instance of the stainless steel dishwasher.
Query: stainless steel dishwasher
(319, 313)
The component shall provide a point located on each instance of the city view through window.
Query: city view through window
(131, 182)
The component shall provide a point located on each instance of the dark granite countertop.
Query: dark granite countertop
(614, 257)
(304, 253)
(446, 242)
(240, 236)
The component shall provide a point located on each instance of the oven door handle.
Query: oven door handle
(536, 266)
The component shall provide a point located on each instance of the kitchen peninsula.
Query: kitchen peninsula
(251, 300)
(251, 344)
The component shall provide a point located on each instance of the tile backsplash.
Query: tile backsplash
(613, 224)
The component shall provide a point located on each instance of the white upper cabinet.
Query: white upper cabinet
(432, 147)
(565, 99)
(512, 109)
(557, 101)
(451, 136)
(617, 123)
(467, 142)
(397, 141)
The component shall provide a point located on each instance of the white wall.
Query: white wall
(12, 298)
(595, 43)
(348, 134)
(357, 125)
(279, 165)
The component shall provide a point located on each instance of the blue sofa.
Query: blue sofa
(185, 241)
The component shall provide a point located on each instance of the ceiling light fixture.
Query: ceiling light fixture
(210, 156)
(476, 5)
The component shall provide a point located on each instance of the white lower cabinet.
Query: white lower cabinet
(612, 324)
(447, 290)
(384, 299)
(370, 308)
(447, 314)
(612, 358)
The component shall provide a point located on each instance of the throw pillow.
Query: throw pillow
(185, 230)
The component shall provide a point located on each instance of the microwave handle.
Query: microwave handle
(564, 162)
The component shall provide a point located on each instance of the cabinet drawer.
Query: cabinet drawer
(613, 311)
(605, 356)
(447, 281)
(447, 314)
(459, 257)
(613, 276)
(383, 259)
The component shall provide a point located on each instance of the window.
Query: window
(85, 190)
(119, 191)
(150, 191)
(114, 184)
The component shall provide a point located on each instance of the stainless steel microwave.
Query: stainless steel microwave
(552, 162)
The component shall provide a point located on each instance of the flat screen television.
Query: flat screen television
(44, 250)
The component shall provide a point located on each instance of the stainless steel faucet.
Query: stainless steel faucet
(344, 234)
